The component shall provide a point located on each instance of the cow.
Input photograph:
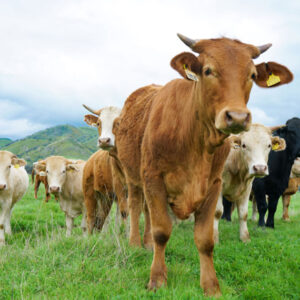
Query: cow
(280, 165)
(13, 185)
(247, 159)
(64, 178)
(103, 177)
(171, 142)
(292, 189)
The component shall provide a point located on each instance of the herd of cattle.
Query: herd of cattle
(184, 148)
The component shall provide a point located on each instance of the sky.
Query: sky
(56, 55)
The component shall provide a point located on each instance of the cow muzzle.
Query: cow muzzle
(260, 170)
(2, 187)
(54, 189)
(105, 143)
(230, 121)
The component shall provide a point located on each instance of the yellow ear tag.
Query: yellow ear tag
(17, 166)
(275, 146)
(273, 79)
(189, 74)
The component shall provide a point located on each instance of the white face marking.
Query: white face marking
(56, 173)
(107, 117)
(5, 168)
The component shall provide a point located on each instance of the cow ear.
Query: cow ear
(272, 74)
(18, 162)
(278, 144)
(40, 165)
(235, 141)
(72, 167)
(91, 120)
(187, 65)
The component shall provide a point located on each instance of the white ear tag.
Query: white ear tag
(189, 74)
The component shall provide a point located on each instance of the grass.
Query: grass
(39, 262)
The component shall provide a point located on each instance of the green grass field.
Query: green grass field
(39, 262)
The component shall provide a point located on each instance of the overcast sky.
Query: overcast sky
(56, 55)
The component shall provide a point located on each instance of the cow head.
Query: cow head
(224, 73)
(296, 168)
(55, 168)
(8, 161)
(103, 119)
(254, 147)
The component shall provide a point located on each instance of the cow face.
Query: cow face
(8, 161)
(224, 73)
(55, 169)
(104, 122)
(254, 147)
(296, 168)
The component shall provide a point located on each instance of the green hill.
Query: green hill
(65, 140)
(4, 142)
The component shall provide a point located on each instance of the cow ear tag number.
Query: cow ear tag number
(273, 79)
(17, 166)
(189, 74)
(275, 146)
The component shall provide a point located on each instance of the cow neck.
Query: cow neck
(205, 134)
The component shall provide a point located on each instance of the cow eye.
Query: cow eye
(64, 171)
(207, 72)
(253, 76)
(9, 166)
(269, 145)
(244, 146)
(47, 171)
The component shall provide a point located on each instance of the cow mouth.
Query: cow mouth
(106, 147)
(234, 129)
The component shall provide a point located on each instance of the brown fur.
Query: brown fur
(100, 182)
(170, 143)
(292, 189)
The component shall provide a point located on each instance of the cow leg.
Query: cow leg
(285, 203)
(254, 210)
(218, 214)
(69, 224)
(36, 188)
(90, 202)
(148, 241)
(104, 208)
(227, 209)
(7, 226)
(83, 222)
(203, 235)
(3, 214)
(273, 201)
(243, 215)
(48, 196)
(135, 202)
(161, 227)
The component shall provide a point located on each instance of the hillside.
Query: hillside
(4, 142)
(65, 140)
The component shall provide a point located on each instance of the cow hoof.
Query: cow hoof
(135, 243)
(286, 219)
(212, 289)
(148, 246)
(246, 240)
(153, 285)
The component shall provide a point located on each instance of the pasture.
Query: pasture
(39, 262)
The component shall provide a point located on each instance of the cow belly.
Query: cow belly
(185, 192)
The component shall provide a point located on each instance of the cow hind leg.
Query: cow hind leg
(135, 203)
(203, 235)
(254, 210)
(218, 214)
(285, 203)
(272, 206)
(161, 226)
(148, 241)
(227, 209)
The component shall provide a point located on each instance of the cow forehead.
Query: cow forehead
(109, 113)
(258, 134)
(56, 162)
(5, 157)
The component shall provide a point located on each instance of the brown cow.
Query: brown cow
(171, 142)
(101, 182)
(292, 189)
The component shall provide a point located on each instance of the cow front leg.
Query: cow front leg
(285, 203)
(135, 203)
(243, 215)
(90, 203)
(148, 241)
(272, 206)
(254, 210)
(36, 188)
(7, 225)
(227, 205)
(2, 234)
(218, 214)
(69, 224)
(203, 235)
(161, 227)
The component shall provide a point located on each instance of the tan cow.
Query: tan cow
(65, 181)
(247, 159)
(13, 185)
(292, 189)
(171, 142)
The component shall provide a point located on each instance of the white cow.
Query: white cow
(104, 121)
(65, 181)
(248, 158)
(13, 185)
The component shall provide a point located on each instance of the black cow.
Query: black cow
(280, 164)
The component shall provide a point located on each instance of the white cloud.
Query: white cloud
(56, 55)
(259, 116)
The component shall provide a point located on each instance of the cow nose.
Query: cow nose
(2, 187)
(260, 169)
(54, 189)
(104, 141)
(237, 120)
